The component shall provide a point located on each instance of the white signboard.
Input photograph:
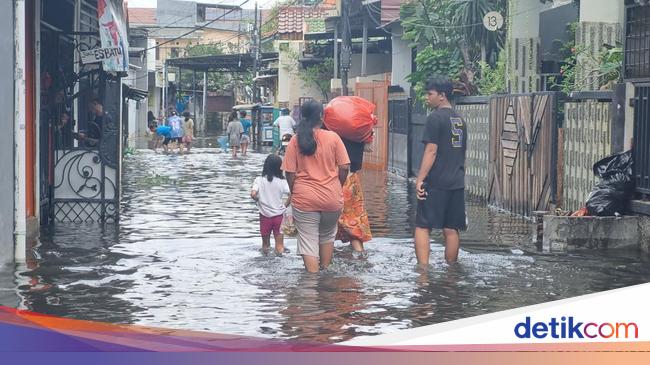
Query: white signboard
(112, 33)
(493, 21)
(99, 54)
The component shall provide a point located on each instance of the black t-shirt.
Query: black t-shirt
(448, 130)
(355, 153)
(95, 128)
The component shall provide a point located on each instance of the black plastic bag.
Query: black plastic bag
(610, 196)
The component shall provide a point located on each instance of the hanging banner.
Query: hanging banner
(112, 33)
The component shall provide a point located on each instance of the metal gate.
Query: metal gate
(86, 178)
(642, 138)
(523, 152)
(377, 93)
(399, 112)
(79, 179)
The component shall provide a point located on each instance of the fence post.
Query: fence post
(617, 112)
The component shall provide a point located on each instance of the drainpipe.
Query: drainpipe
(205, 101)
(364, 51)
(164, 91)
(20, 221)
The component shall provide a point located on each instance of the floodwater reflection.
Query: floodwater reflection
(187, 255)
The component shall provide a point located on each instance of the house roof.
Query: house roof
(142, 16)
(294, 18)
(390, 11)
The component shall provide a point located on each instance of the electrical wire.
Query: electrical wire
(196, 28)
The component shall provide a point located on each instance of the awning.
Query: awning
(221, 63)
(265, 77)
(133, 93)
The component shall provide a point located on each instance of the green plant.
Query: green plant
(611, 64)
(492, 79)
(220, 82)
(450, 39)
(584, 70)
(318, 75)
(468, 15)
(430, 61)
(207, 49)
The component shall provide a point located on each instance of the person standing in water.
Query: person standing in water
(440, 185)
(268, 191)
(354, 226)
(188, 131)
(317, 165)
(246, 135)
(234, 132)
(287, 128)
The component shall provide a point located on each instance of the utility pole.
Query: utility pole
(346, 47)
(254, 51)
(257, 132)
(260, 129)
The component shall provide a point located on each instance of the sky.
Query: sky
(265, 4)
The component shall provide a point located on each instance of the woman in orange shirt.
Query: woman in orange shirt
(316, 164)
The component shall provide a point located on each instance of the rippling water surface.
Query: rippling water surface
(186, 255)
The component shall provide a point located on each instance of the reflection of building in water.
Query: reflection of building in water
(388, 204)
(86, 254)
(374, 184)
(320, 307)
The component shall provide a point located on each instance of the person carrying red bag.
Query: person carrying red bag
(353, 120)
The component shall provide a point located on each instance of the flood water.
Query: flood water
(187, 255)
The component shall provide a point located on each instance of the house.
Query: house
(293, 24)
(55, 70)
(172, 30)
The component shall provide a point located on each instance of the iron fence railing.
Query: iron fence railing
(642, 138)
(637, 41)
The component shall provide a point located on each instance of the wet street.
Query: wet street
(187, 255)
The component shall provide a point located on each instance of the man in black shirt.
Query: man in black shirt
(95, 127)
(440, 184)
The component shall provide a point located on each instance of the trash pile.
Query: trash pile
(610, 196)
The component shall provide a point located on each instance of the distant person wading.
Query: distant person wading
(234, 132)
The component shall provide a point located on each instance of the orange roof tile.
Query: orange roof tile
(292, 19)
(142, 16)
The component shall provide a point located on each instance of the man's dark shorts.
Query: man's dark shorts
(442, 209)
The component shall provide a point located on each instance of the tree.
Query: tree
(450, 39)
(219, 82)
(318, 75)
(469, 14)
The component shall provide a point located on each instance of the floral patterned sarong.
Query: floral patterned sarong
(353, 223)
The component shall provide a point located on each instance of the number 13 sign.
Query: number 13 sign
(493, 21)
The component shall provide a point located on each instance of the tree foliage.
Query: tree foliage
(318, 75)
(451, 40)
(217, 82)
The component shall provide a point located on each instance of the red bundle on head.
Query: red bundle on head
(351, 117)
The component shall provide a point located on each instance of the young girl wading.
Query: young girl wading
(269, 191)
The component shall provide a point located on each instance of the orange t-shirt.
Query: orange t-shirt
(317, 187)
